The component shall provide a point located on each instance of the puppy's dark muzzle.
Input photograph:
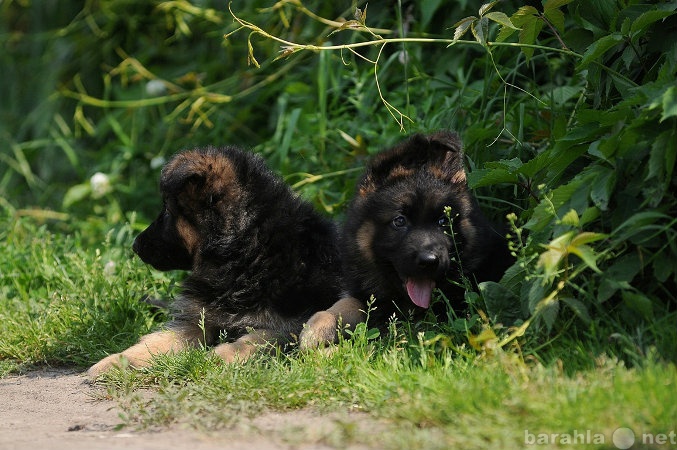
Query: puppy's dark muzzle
(427, 260)
(136, 247)
(163, 249)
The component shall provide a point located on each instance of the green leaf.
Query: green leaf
(625, 26)
(557, 250)
(586, 254)
(603, 186)
(578, 307)
(582, 132)
(531, 168)
(535, 292)
(555, 17)
(372, 333)
(637, 223)
(508, 164)
(513, 278)
(587, 237)
(501, 303)
(527, 35)
(662, 157)
(669, 103)
(638, 303)
(486, 7)
(663, 266)
(618, 276)
(590, 214)
(550, 5)
(546, 210)
(598, 48)
(562, 94)
(625, 87)
(602, 151)
(523, 15)
(608, 287)
(504, 33)
(549, 311)
(480, 29)
(489, 177)
(502, 19)
(462, 27)
(571, 218)
(640, 24)
(562, 158)
(670, 154)
(76, 193)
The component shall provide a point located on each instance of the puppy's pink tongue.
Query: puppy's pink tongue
(420, 291)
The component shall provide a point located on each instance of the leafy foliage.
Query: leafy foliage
(568, 110)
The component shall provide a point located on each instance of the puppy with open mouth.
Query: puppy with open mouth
(413, 226)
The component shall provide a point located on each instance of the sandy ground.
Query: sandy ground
(56, 409)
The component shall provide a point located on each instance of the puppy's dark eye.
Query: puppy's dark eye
(399, 222)
(442, 221)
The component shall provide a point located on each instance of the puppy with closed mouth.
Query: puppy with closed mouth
(262, 260)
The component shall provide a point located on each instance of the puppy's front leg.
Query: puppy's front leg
(323, 326)
(244, 347)
(139, 355)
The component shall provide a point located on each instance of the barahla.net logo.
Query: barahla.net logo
(622, 438)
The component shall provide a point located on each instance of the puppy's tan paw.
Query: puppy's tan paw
(321, 330)
(134, 357)
(235, 352)
(106, 364)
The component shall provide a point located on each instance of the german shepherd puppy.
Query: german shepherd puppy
(398, 244)
(262, 261)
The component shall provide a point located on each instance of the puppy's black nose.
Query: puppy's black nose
(427, 260)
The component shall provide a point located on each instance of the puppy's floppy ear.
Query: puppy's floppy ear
(445, 141)
(445, 153)
(183, 179)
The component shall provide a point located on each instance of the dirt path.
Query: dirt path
(55, 410)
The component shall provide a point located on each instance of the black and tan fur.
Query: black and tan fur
(262, 261)
(398, 245)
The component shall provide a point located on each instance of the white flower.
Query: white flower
(100, 183)
(109, 269)
(156, 88)
(157, 162)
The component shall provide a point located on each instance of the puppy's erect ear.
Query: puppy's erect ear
(439, 153)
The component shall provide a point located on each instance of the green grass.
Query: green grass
(66, 300)
(579, 144)
(422, 385)
(446, 402)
